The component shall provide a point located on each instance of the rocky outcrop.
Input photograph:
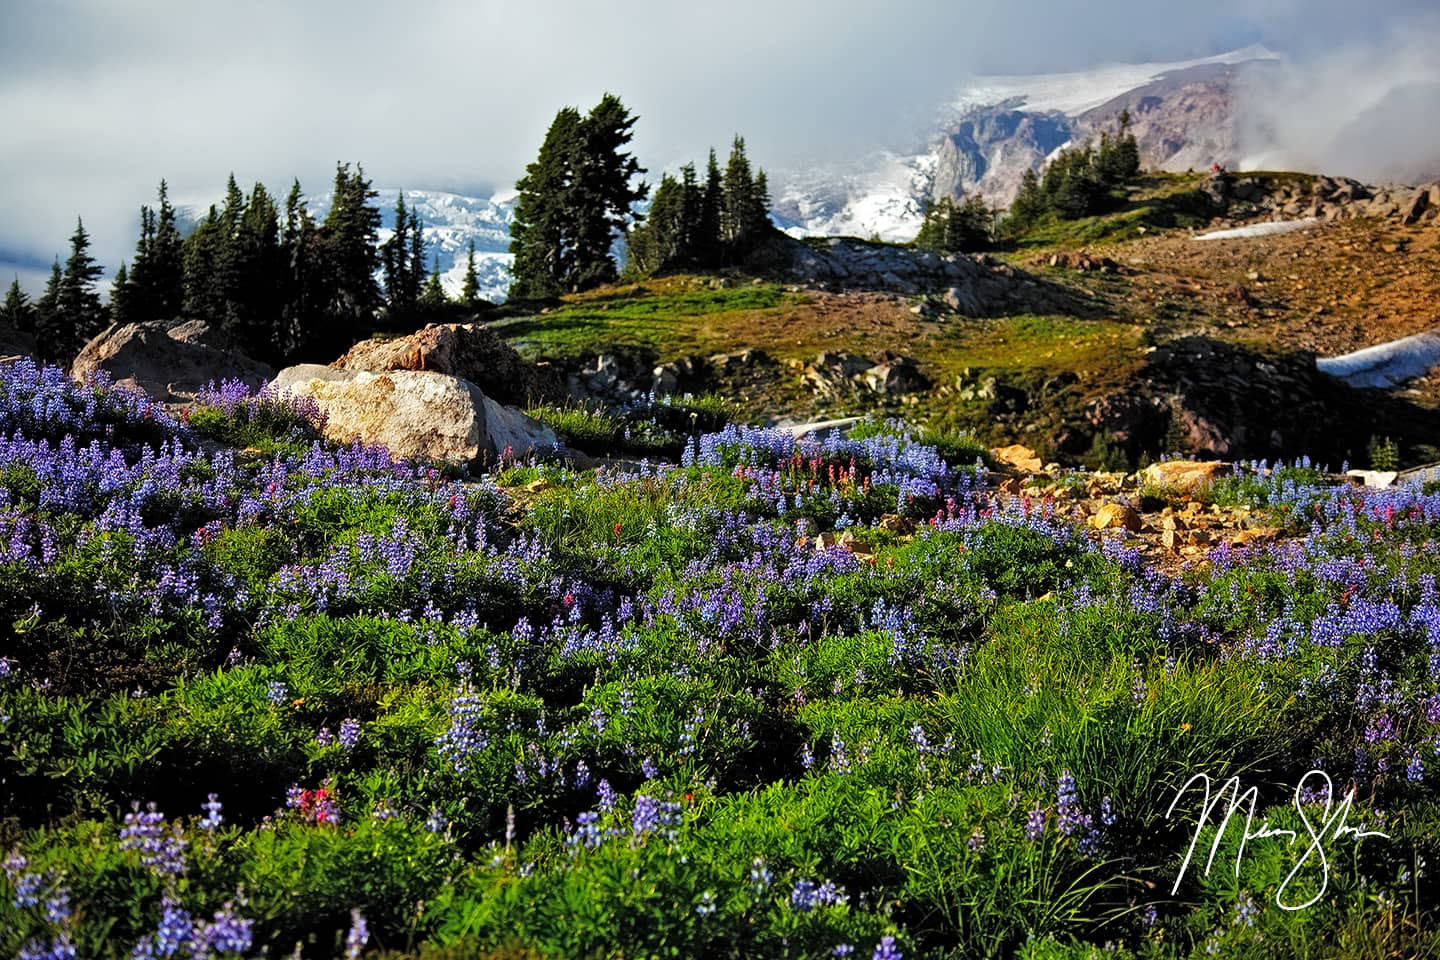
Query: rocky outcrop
(415, 413)
(836, 375)
(977, 285)
(1246, 197)
(169, 363)
(470, 351)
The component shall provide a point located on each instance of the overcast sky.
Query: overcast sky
(101, 99)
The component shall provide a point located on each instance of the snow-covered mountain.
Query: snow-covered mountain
(994, 128)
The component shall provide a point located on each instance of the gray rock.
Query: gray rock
(167, 364)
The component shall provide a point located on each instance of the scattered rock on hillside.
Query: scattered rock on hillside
(1186, 476)
(1328, 198)
(1020, 457)
(470, 351)
(414, 413)
(168, 363)
(835, 374)
(1112, 516)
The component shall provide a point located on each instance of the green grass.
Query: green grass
(662, 317)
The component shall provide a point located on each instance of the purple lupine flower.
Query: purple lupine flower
(60, 947)
(760, 875)
(277, 693)
(175, 930)
(358, 935)
(886, 950)
(606, 795)
(227, 933)
(1035, 824)
(976, 843)
(212, 818)
(349, 732)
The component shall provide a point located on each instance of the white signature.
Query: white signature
(1332, 826)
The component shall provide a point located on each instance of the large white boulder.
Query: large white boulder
(414, 413)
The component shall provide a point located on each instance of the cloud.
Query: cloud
(102, 99)
(1365, 110)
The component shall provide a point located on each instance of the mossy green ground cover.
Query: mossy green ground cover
(548, 713)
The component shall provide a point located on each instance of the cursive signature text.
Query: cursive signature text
(1330, 826)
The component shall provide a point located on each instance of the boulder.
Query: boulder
(414, 413)
(470, 351)
(1019, 456)
(1114, 516)
(1414, 208)
(1186, 476)
(168, 363)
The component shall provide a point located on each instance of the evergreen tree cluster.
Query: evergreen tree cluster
(951, 227)
(278, 283)
(573, 198)
(1078, 181)
(701, 226)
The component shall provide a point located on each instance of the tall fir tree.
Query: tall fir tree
(303, 289)
(122, 297)
(573, 199)
(255, 298)
(712, 206)
(735, 215)
(17, 311)
(395, 257)
(47, 317)
(80, 313)
(349, 235)
(415, 278)
(470, 287)
(601, 208)
(167, 262)
(1028, 206)
(659, 243)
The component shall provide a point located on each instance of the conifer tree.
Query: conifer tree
(1029, 204)
(166, 266)
(415, 277)
(434, 296)
(79, 313)
(712, 205)
(122, 297)
(660, 242)
(736, 213)
(395, 255)
(254, 299)
(17, 311)
(48, 323)
(573, 199)
(604, 195)
(205, 293)
(540, 236)
(692, 212)
(470, 287)
(303, 292)
(351, 260)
